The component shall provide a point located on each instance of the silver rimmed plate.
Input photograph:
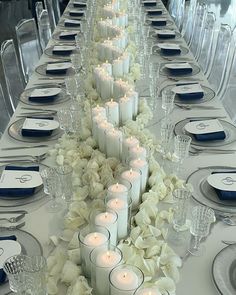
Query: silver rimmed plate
(6, 201)
(205, 194)
(229, 129)
(14, 131)
(42, 71)
(209, 94)
(165, 72)
(30, 246)
(157, 50)
(224, 270)
(61, 97)
(49, 52)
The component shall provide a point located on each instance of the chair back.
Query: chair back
(54, 14)
(200, 17)
(188, 28)
(5, 115)
(180, 14)
(44, 29)
(28, 45)
(209, 34)
(12, 74)
(38, 9)
(221, 57)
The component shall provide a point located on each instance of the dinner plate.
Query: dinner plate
(224, 270)
(157, 50)
(49, 52)
(29, 245)
(209, 94)
(229, 129)
(206, 195)
(61, 97)
(42, 71)
(165, 72)
(14, 131)
(56, 36)
(21, 201)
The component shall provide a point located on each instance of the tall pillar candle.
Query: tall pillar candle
(134, 96)
(126, 62)
(107, 67)
(95, 121)
(102, 127)
(112, 111)
(106, 87)
(126, 109)
(137, 152)
(127, 144)
(142, 165)
(99, 111)
(134, 177)
(113, 143)
(117, 68)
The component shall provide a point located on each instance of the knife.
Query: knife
(24, 147)
(12, 227)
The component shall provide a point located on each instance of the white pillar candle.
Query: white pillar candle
(95, 121)
(142, 165)
(134, 96)
(105, 261)
(113, 143)
(106, 87)
(92, 241)
(123, 281)
(99, 110)
(147, 291)
(117, 90)
(134, 177)
(121, 208)
(118, 190)
(116, 52)
(101, 51)
(137, 152)
(117, 68)
(107, 67)
(126, 109)
(126, 62)
(109, 221)
(102, 127)
(108, 51)
(127, 144)
(112, 111)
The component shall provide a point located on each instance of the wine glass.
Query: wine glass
(167, 129)
(167, 102)
(202, 217)
(72, 86)
(181, 149)
(51, 183)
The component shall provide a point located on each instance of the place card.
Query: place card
(158, 21)
(63, 50)
(204, 127)
(40, 124)
(149, 3)
(68, 35)
(154, 11)
(179, 68)
(79, 4)
(189, 91)
(19, 179)
(223, 181)
(58, 68)
(72, 23)
(76, 12)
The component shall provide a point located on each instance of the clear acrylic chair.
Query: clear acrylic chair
(57, 12)
(38, 9)
(187, 30)
(4, 112)
(12, 74)
(199, 21)
(44, 29)
(28, 45)
(221, 58)
(180, 13)
(53, 9)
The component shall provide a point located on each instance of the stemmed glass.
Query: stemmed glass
(72, 86)
(167, 101)
(51, 182)
(153, 75)
(167, 129)
(181, 149)
(202, 217)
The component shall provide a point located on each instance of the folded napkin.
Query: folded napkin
(190, 95)
(68, 37)
(225, 195)
(165, 36)
(37, 133)
(2, 272)
(56, 71)
(79, 4)
(171, 51)
(71, 24)
(76, 13)
(151, 3)
(44, 99)
(18, 192)
(62, 52)
(158, 23)
(154, 12)
(180, 71)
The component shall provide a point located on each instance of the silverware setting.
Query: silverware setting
(22, 158)
(24, 147)
(206, 118)
(12, 227)
(14, 212)
(228, 242)
(196, 151)
(37, 114)
(186, 79)
(190, 107)
(13, 219)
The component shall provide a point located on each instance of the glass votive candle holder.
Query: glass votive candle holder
(120, 188)
(134, 176)
(113, 145)
(125, 279)
(138, 151)
(108, 219)
(127, 144)
(142, 165)
(102, 263)
(123, 208)
(92, 237)
(147, 291)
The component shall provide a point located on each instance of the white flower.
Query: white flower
(67, 235)
(52, 288)
(75, 255)
(70, 272)
(96, 189)
(74, 243)
(165, 284)
(60, 160)
(80, 287)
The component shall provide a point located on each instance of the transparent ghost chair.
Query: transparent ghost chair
(44, 29)
(12, 73)
(180, 13)
(221, 58)
(205, 49)
(28, 45)
(53, 12)
(4, 112)
(200, 16)
(38, 9)
(172, 7)
(187, 29)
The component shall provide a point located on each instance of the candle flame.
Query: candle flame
(97, 106)
(150, 293)
(138, 147)
(130, 171)
(111, 99)
(116, 200)
(106, 214)
(125, 275)
(117, 185)
(108, 254)
(95, 235)
(139, 159)
(106, 61)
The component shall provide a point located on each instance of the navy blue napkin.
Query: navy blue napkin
(62, 52)
(149, 3)
(159, 12)
(56, 71)
(169, 51)
(180, 72)
(225, 195)
(158, 23)
(68, 37)
(80, 4)
(18, 192)
(44, 99)
(2, 272)
(165, 36)
(72, 24)
(37, 133)
(76, 13)
(190, 95)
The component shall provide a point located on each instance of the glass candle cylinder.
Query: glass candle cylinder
(113, 138)
(142, 165)
(147, 291)
(120, 188)
(91, 237)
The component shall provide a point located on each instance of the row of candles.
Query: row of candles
(118, 18)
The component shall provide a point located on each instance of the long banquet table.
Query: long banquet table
(195, 275)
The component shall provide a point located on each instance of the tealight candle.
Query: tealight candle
(134, 177)
(113, 143)
(142, 165)
(127, 144)
(138, 152)
(147, 291)
(112, 111)
(121, 208)
(126, 109)
(109, 221)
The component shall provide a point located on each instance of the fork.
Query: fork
(13, 219)
(190, 107)
(196, 152)
(38, 158)
(12, 227)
